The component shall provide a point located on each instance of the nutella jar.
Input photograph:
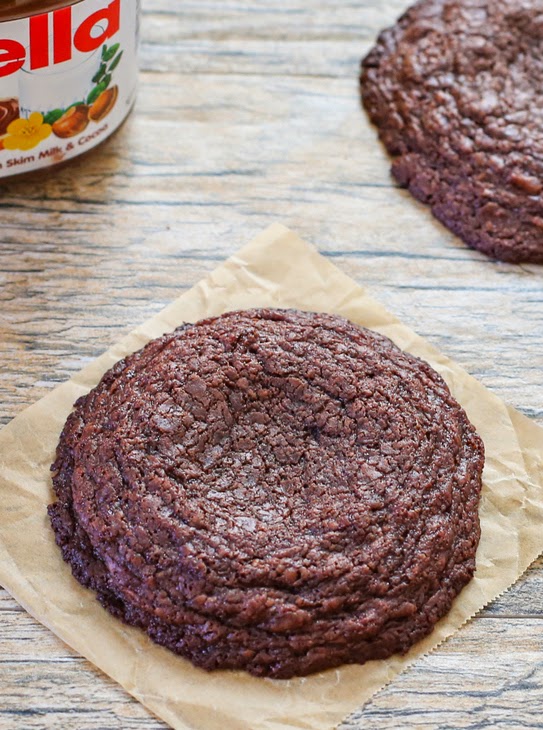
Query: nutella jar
(68, 75)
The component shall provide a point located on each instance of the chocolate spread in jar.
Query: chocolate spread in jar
(68, 72)
(9, 111)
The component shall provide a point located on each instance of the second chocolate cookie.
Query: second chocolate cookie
(455, 89)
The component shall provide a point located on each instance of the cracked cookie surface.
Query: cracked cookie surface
(456, 91)
(271, 490)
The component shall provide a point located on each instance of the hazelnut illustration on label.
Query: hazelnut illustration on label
(68, 74)
(74, 120)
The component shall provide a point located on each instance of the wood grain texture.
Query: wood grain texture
(248, 113)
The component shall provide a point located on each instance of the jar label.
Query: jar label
(67, 81)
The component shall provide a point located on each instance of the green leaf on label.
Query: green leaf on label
(99, 74)
(53, 116)
(104, 52)
(106, 80)
(95, 93)
(110, 52)
(116, 62)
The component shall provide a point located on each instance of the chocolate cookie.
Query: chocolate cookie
(269, 490)
(456, 90)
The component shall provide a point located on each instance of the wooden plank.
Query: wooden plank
(287, 38)
(457, 686)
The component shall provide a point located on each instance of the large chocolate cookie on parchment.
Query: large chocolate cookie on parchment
(270, 490)
(456, 91)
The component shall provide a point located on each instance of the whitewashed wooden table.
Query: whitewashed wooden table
(248, 114)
